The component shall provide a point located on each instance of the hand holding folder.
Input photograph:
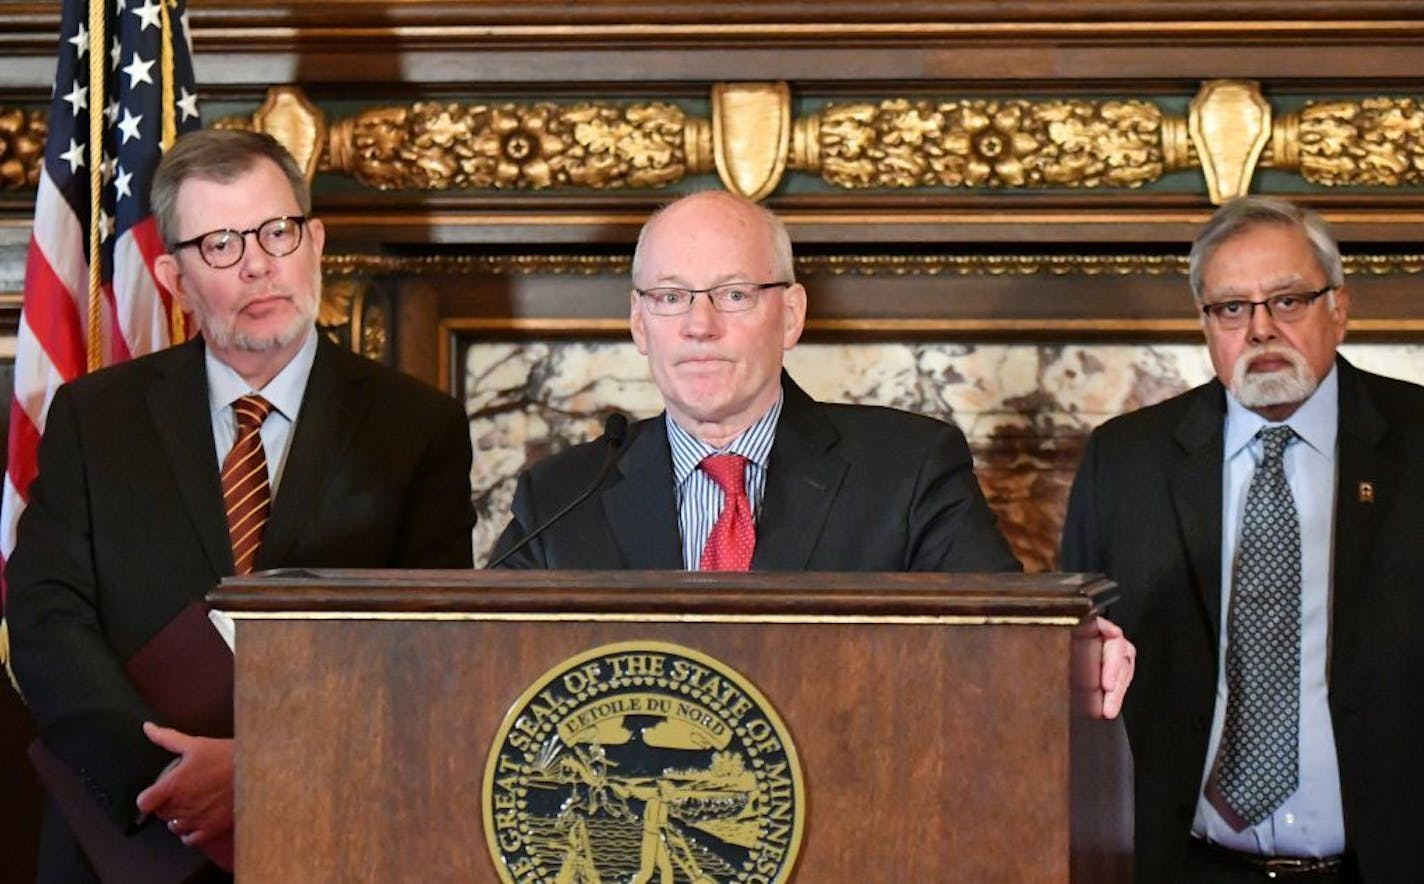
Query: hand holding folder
(195, 792)
(185, 672)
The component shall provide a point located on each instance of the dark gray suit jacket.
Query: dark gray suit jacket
(126, 526)
(1146, 510)
(849, 488)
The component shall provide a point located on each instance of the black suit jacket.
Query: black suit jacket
(849, 488)
(1146, 510)
(126, 526)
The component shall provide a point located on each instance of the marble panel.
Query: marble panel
(1025, 408)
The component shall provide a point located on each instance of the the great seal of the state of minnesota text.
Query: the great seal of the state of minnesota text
(643, 762)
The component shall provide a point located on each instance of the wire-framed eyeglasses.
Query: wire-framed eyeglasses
(730, 297)
(1288, 307)
(277, 237)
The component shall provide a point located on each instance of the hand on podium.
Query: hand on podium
(1119, 663)
(194, 795)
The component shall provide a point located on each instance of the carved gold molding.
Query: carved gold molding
(290, 117)
(435, 146)
(349, 315)
(1229, 124)
(984, 143)
(751, 135)
(22, 138)
(752, 140)
(338, 266)
(991, 265)
(1374, 141)
(349, 266)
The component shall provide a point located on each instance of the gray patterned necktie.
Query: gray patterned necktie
(1258, 763)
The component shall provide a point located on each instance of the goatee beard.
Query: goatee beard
(1262, 389)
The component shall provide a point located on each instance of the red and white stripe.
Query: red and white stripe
(50, 345)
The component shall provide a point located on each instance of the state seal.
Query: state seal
(643, 762)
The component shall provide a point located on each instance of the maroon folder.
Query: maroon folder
(151, 855)
(185, 673)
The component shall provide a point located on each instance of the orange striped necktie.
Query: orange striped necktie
(247, 495)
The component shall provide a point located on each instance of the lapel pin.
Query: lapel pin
(1367, 492)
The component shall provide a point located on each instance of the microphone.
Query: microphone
(615, 430)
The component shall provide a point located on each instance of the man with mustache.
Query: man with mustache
(744, 471)
(1267, 533)
(258, 444)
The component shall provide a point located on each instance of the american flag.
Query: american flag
(143, 56)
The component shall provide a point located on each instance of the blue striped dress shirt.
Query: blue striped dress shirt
(699, 499)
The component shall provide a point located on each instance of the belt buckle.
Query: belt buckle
(1285, 866)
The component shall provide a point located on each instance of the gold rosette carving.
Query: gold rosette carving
(985, 143)
(439, 146)
(995, 143)
(1374, 141)
(22, 140)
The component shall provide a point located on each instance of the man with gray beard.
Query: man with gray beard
(1267, 533)
(258, 444)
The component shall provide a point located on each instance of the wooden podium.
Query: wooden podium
(944, 723)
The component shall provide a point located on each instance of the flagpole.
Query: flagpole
(170, 113)
(98, 54)
(177, 331)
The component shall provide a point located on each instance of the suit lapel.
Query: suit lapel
(801, 483)
(331, 406)
(1365, 480)
(178, 407)
(1196, 496)
(641, 507)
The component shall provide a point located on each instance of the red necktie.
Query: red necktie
(733, 538)
(246, 493)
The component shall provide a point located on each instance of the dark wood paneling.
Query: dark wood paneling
(445, 43)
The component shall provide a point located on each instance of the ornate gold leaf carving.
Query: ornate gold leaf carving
(1376, 141)
(1230, 124)
(291, 118)
(991, 265)
(244, 124)
(375, 332)
(337, 300)
(351, 265)
(348, 315)
(751, 125)
(435, 146)
(22, 139)
(989, 143)
(335, 266)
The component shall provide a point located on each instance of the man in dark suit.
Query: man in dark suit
(811, 486)
(347, 464)
(1270, 577)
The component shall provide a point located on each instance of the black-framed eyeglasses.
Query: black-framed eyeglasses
(730, 297)
(277, 237)
(1289, 307)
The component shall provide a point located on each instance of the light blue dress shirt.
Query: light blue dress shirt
(699, 499)
(285, 392)
(1310, 822)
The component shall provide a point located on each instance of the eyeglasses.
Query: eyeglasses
(1290, 307)
(731, 297)
(277, 237)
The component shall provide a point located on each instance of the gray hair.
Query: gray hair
(784, 266)
(221, 155)
(1248, 212)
